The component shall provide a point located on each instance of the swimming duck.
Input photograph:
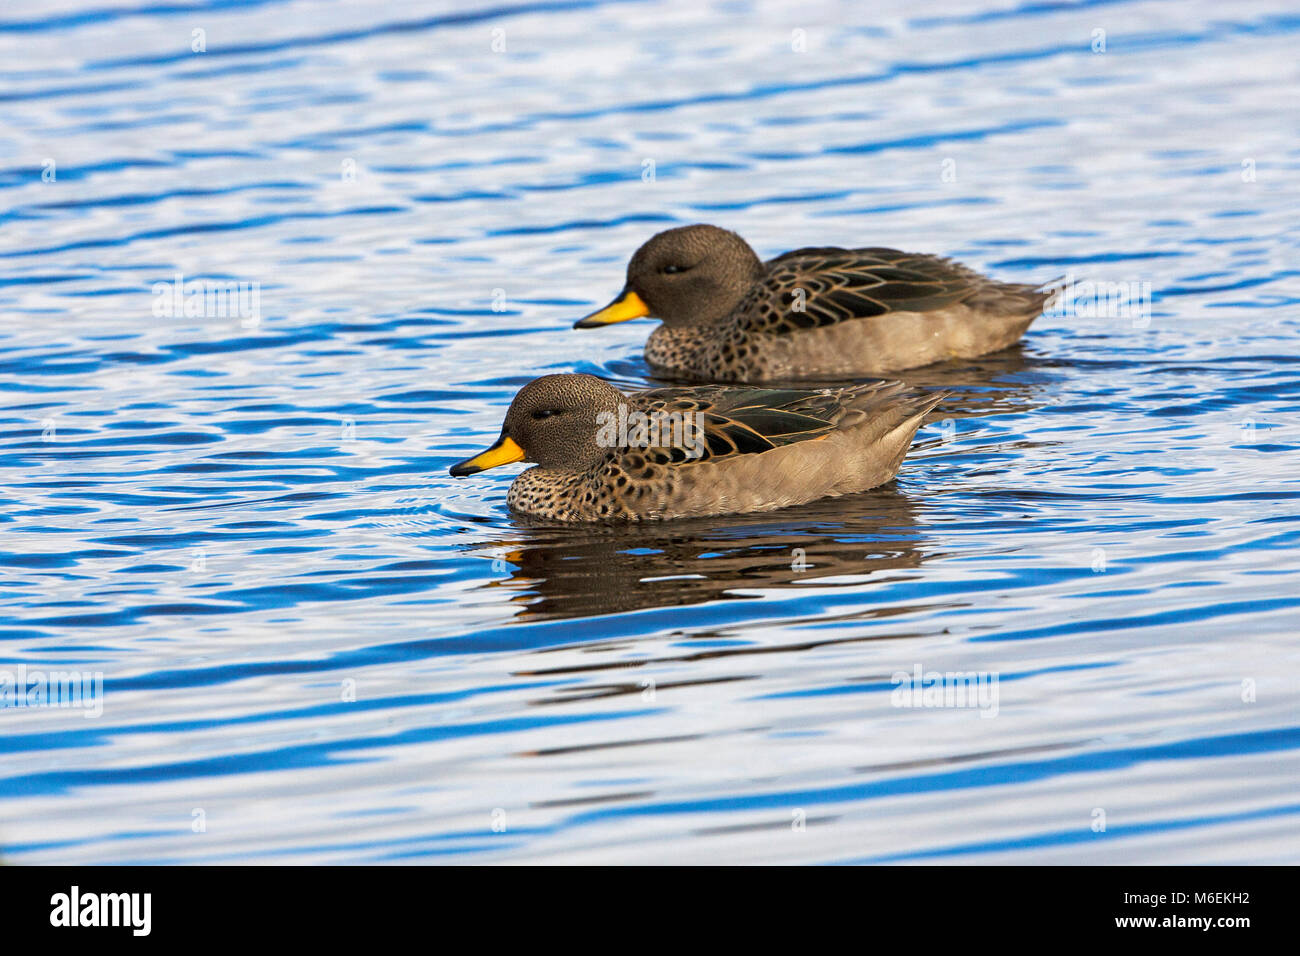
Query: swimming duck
(821, 312)
(700, 451)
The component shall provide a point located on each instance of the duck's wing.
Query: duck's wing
(819, 286)
(734, 420)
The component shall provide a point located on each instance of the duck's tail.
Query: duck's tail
(1051, 292)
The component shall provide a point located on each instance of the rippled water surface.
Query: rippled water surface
(317, 647)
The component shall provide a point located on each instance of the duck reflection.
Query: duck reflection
(1012, 380)
(579, 571)
(1008, 381)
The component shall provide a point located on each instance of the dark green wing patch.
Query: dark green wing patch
(816, 287)
(746, 421)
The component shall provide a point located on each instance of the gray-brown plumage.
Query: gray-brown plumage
(820, 312)
(711, 450)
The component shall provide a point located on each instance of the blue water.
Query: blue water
(317, 647)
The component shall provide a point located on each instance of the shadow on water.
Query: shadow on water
(1012, 380)
(1007, 381)
(564, 571)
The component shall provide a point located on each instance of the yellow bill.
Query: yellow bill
(504, 452)
(628, 305)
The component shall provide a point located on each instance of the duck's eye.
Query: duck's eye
(546, 413)
(673, 270)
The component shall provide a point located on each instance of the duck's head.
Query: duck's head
(685, 276)
(552, 422)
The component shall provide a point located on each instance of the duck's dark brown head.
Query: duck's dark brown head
(553, 422)
(686, 276)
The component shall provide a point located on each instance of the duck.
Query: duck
(600, 455)
(814, 313)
